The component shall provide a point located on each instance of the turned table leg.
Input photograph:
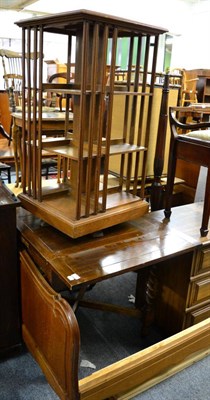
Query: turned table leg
(146, 294)
(16, 137)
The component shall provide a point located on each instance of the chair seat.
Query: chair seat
(201, 134)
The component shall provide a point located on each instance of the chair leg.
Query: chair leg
(9, 176)
(206, 207)
(170, 184)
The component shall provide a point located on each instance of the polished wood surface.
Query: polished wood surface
(78, 263)
(114, 251)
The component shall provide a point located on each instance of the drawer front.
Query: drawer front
(203, 261)
(200, 291)
(196, 316)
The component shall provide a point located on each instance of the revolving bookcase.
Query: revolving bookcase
(111, 120)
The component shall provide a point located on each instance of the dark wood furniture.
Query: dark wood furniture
(10, 322)
(6, 152)
(5, 172)
(203, 88)
(191, 147)
(171, 252)
(189, 172)
(156, 197)
(87, 203)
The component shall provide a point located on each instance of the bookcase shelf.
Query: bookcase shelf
(93, 88)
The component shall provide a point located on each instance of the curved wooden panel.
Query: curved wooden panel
(50, 330)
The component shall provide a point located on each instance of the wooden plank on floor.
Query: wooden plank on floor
(134, 374)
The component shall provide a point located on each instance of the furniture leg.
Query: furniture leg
(148, 312)
(206, 207)
(59, 168)
(170, 181)
(146, 293)
(157, 188)
(16, 137)
(19, 151)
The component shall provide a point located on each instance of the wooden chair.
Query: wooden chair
(12, 69)
(13, 78)
(188, 91)
(58, 100)
(193, 147)
(12, 75)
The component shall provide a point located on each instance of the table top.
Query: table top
(194, 107)
(46, 116)
(117, 250)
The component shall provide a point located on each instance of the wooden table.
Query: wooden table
(151, 245)
(52, 123)
(172, 264)
(200, 111)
